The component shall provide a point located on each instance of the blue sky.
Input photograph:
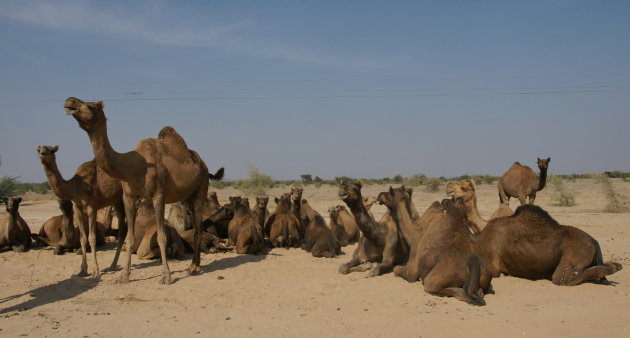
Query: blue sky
(330, 88)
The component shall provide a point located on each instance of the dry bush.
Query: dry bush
(564, 197)
(432, 185)
(616, 201)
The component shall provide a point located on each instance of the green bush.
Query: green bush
(8, 187)
(257, 184)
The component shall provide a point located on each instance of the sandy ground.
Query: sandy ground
(290, 293)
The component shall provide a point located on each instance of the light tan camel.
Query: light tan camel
(465, 189)
(343, 225)
(89, 189)
(521, 182)
(146, 230)
(14, 232)
(162, 170)
(179, 217)
(59, 231)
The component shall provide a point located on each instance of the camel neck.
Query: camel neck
(296, 208)
(472, 213)
(361, 215)
(62, 188)
(404, 218)
(542, 179)
(106, 157)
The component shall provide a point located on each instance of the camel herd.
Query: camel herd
(449, 247)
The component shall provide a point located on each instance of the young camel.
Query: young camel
(443, 252)
(283, 227)
(14, 232)
(90, 189)
(162, 170)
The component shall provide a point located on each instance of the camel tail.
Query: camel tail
(471, 286)
(218, 175)
(43, 240)
(599, 258)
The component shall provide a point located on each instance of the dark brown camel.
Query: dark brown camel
(260, 209)
(244, 231)
(14, 232)
(146, 231)
(443, 256)
(283, 228)
(379, 246)
(318, 238)
(521, 182)
(531, 244)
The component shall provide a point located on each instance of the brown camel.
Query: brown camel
(466, 190)
(319, 240)
(14, 232)
(282, 226)
(59, 231)
(217, 217)
(146, 230)
(244, 231)
(210, 242)
(379, 246)
(162, 170)
(296, 208)
(531, 244)
(521, 182)
(260, 209)
(179, 217)
(343, 225)
(90, 189)
(443, 255)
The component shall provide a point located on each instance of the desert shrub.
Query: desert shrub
(563, 196)
(40, 188)
(8, 187)
(616, 201)
(416, 180)
(433, 185)
(257, 184)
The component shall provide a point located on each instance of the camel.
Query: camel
(210, 242)
(147, 247)
(296, 208)
(179, 217)
(379, 246)
(465, 189)
(216, 217)
(282, 226)
(319, 240)
(59, 231)
(343, 225)
(14, 232)
(244, 231)
(260, 209)
(521, 182)
(443, 254)
(162, 170)
(531, 244)
(89, 189)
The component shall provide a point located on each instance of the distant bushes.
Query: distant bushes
(10, 186)
(616, 202)
(563, 196)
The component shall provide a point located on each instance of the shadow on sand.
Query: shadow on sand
(59, 291)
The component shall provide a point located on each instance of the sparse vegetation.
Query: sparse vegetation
(433, 185)
(563, 196)
(8, 187)
(257, 184)
(616, 201)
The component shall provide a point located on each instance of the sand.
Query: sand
(290, 293)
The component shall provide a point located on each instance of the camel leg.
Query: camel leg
(130, 215)
(78, 210)
(91, 214)
(122, 232)
(571, 275)
(158, 205)
(389, 255)
(437, 283)
(532, 197)
(196, 205)
(503, 197)
(522, 199)
(320, 249)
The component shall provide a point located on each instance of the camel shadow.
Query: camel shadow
(232, 262)
(60, 291)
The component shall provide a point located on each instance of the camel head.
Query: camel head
(262, 201)
(296, 194)
(47, 153)
(284, 201)
(543, 163)
(235, 202)
(368, 202)
(332, 211)
(463, 189)
(213, 196)
(12, 204)
(350, 191)
(394, 196)
(88, 114)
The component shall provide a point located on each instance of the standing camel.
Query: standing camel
(520, 181)
(162, 170)
(89, 189)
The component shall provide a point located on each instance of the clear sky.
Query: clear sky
(329, 88)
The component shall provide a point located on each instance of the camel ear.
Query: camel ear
(360, 183)
(55, 148)
(100, 105)
(39, 148)
(276, 200)
(472, 182)
(548, 160)
(19, 199)
(391, 190)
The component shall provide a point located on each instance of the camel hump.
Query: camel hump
(169, 135)
(534, 213)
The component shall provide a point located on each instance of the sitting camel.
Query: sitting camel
(521, 182)
(283, 227)
(379, 246)
(179, 217)
(260, 209)
(146, 230)
(244, 231)
(217, 217)
(466, 190)
(531, 244)
(59, 231)
(343, 225)
(14, 232)
(319, 240)
(444, 255)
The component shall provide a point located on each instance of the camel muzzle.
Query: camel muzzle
(70, 110)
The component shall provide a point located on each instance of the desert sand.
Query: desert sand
(290, 293)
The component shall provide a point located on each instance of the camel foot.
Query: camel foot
(344, 269)
(616, 265)
(111, 268)
(398, 269)
(166, 280)
(477, 301)
(193, 269)
(123, 280)
(83, 274)
(96, 274)
(375, 271)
